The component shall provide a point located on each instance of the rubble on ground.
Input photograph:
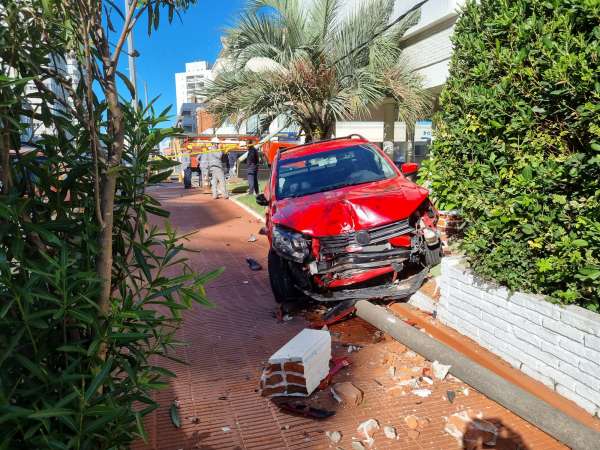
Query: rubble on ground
(347, 394)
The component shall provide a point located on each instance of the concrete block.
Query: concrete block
(536, 330)
(563, 329)
(298, 367)
(537, 376)
(561, 353)
(590, 368)
(466, 328)
(582, 319)
(556, 375)
(536, 303)
(497, 292)
(589, 406)
(580, 377)
(585, 391)
(580, 349)
(495, 321)
(592, 342)
(524, 313)
(528, 337)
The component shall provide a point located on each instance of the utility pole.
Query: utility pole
(130, 53)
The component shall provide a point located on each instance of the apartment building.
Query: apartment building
(427, 50)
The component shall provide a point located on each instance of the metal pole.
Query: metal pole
(146, 92)
(131, 59)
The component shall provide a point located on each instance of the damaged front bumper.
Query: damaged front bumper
(398, 289)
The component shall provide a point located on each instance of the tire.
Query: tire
(281, 280)
(433, 255)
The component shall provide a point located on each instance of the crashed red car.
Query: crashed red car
(345, 223)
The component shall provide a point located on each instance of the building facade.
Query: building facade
(427, 49)
(189, 84)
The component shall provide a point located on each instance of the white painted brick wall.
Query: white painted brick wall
(559, 346)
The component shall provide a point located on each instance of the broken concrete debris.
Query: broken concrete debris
(347, 394)
(252, 238)
(412, 422)
(297, 368)
(439, 370)
(334, 436)
(357, 445)
(367, 428)
(473, 432)
(423, 393)
(390, 432)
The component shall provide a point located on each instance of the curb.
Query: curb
(247, 209)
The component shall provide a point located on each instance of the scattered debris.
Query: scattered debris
(287, 318)
(223, 397)
(253, 264)
(451, 395)
(412, 422)
(475, 433)
(174, 414)
(423, 393)
(439, 370)
(427, 380)
(252, 238)
(367, 428)
(353, 348)
(465, 392)
(390, 432)
(338, 364)
(226, 429)
(263, 231)
(339, 312)
(334, 436)
(377, 336)
(194, 419)
(297, 368)
(347, 394)
(413, 434)
(245, 282)
(285, 427)
(357, 445)
(304, 410)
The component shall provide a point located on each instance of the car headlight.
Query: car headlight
(290, 244)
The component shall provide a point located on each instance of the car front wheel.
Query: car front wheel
(281, 280)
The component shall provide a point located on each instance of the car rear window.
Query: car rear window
(333, 169)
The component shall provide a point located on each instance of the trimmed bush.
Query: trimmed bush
(518, 144)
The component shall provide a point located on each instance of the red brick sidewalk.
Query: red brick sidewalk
(229, 344)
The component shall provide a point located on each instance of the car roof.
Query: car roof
(317, 147)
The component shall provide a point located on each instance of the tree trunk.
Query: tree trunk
(107, 197)
(5, 168)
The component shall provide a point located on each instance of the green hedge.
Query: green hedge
(517, 146)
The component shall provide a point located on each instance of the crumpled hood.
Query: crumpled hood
(350, 209)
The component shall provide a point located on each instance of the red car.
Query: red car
(345, 223)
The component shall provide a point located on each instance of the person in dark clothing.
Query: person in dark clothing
(252, 169)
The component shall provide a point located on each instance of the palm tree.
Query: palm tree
(314, 63)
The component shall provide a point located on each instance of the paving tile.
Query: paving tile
(229, 343)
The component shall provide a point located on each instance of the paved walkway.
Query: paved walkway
(229, 344)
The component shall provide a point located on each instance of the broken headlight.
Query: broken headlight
(290, 244)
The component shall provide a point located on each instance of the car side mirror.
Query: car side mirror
(409, 168)
(262, 200)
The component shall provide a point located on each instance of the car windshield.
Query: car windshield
(333, 169)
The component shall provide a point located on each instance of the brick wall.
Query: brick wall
(559, 346)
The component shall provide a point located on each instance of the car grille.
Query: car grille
(377, 235)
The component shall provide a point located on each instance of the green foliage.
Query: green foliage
(55, 390)
(518, 144)
(73, 376)
(315, 63)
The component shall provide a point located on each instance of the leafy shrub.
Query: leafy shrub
(518, 144)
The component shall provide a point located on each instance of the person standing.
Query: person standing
(203, 168)
(217, 176)
(252, 170)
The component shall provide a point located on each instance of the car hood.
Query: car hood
(350, 209)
